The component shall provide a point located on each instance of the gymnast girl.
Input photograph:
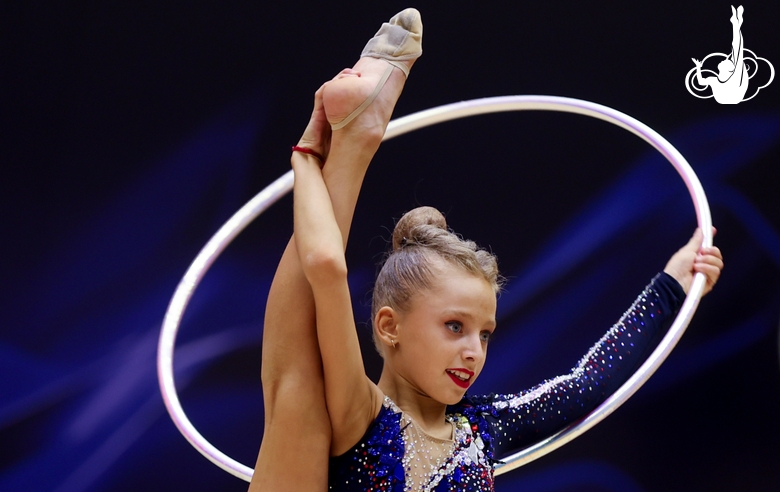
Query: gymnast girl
(731, 84)
(329, 426)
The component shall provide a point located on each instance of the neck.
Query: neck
(426, 411)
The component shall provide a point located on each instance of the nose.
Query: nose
(472, 349)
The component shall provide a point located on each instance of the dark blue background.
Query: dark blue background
(131, 132)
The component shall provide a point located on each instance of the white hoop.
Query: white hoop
(409, 123)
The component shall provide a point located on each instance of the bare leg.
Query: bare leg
(296, 444)
(736, 36)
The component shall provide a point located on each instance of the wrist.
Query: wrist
(309, 152)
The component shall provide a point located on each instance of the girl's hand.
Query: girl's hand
(691, 259)
(316, 136)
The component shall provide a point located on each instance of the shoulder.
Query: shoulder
(373, 463)
(385, 427)
(472, 410)
(473, 415)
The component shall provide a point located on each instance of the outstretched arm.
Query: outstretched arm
(522, 419)
(701, 80)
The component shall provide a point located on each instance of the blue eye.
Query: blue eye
(454, 326)
(485, 336)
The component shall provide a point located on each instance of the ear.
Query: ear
(386, 326)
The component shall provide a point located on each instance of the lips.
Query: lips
(460, 376)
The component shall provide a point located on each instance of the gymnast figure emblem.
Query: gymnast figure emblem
(735, 70)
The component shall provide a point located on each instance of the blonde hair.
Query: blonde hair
(419, 238)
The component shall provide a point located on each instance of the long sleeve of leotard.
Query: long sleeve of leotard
(516, 421)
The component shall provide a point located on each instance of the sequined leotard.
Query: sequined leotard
(490, 426)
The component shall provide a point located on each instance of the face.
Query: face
(443, 337)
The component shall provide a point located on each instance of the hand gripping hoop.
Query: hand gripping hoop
(284, 184)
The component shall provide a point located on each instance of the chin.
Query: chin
(453, 399)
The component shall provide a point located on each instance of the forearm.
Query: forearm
(699, 78)
(540, 412)
(318, 238)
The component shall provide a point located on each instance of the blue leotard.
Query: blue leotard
(490, 426)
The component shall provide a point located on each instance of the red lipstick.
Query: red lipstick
(463, 383)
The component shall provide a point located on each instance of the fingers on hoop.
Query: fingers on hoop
(694, 243)
(709, 261)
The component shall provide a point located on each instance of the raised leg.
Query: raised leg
(296, 441)
(736, 34)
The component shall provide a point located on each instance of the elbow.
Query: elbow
(324, 266)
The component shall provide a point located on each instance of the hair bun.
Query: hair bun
(412, 219)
